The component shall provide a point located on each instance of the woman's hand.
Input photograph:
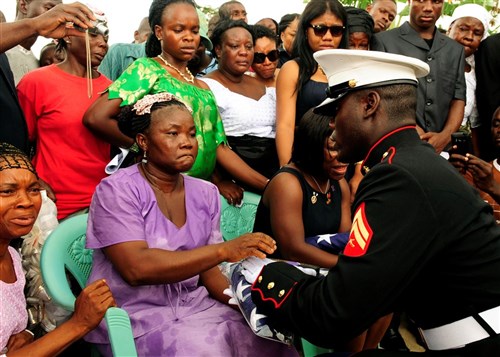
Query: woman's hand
(232, 192)
(19, 340)
(92, 304)
(248, 245)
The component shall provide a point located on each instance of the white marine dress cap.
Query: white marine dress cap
(351, 70)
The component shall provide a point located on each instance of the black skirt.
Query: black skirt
(259, 153)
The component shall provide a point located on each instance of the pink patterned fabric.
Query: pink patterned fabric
(13, 314)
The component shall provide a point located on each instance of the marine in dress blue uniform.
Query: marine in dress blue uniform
(422, 240)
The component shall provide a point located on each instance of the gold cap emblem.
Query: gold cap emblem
(260, 279)
(281, 293)
(352, 83)
(270, 285)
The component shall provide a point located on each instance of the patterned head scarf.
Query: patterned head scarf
(143, 106)
(13, 158)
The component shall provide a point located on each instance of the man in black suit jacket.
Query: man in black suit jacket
(487, 91)
(441, 94)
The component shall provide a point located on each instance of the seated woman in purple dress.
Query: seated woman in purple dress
(157, 243)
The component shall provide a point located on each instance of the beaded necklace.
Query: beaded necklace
(189, 79)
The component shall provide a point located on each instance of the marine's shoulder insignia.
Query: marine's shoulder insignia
(361, 234)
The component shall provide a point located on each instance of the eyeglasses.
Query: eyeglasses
(259, 57)
(321, 30)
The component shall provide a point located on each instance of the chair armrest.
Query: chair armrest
(120, 332)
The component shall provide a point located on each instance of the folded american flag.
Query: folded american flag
(331, 243)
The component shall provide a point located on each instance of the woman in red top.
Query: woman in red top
(68, 157)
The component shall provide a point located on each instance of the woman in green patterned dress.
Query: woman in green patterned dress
(173, 42)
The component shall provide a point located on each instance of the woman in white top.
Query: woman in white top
(469, 26)
(246, 105)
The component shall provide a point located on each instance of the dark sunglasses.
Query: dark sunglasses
(321, 30)
(259, 57)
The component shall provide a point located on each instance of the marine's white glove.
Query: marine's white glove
(229, 292)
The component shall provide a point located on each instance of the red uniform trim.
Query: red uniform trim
(385, 137)
(392, 151)
(276, 304)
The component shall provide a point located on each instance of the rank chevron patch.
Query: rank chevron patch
(360, 236)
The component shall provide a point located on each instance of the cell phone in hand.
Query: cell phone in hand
(463, 143)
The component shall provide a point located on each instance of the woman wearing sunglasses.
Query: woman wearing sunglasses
(266, 56)
(246, 105)
(301, 83)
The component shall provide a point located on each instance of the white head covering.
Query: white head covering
(349, 70)
(473, 10)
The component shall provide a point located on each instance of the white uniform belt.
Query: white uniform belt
(462, 332)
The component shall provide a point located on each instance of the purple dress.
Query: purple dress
(179, 319)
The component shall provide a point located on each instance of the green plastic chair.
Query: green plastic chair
(235, 221)
(64, 250)
(311, 350)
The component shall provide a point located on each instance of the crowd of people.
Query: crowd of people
(340, 120)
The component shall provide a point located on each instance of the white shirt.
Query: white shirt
(242, 115)
(21, 61)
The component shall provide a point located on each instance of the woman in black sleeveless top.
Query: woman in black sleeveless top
(307, 197)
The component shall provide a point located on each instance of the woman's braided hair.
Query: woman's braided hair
(132, 121)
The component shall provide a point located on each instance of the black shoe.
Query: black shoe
(392, 341)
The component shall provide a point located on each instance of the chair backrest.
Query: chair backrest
(64, 250)
(235, 221)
